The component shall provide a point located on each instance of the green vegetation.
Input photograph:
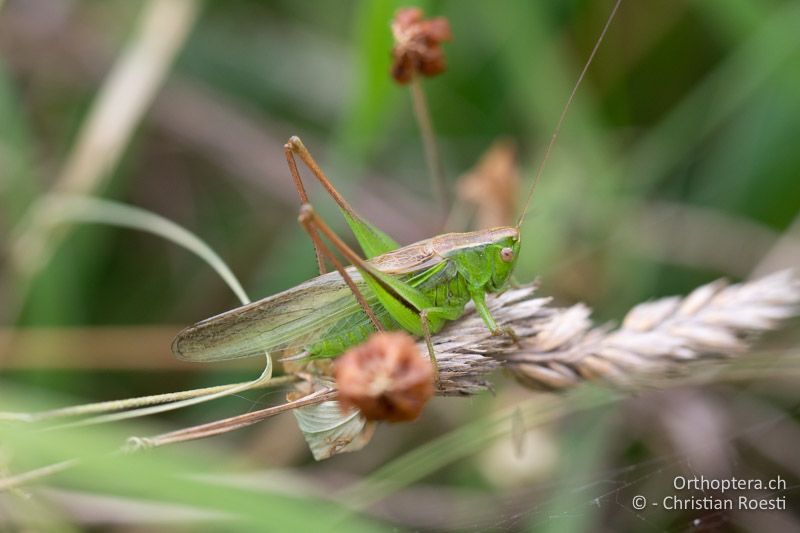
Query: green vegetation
(677, 164)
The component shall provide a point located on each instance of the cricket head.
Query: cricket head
(502, 254)
(485, 258)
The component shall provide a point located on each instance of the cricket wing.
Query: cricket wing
(408, 259)
(289, 318)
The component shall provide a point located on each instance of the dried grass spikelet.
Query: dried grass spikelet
(492, 185)
(386, 378)
(716, 319)
(561, 348)
(417, 44)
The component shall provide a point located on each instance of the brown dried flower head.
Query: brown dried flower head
(492, 186)
(417, 44)
(386, 378)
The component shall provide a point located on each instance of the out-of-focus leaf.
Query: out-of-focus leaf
(363, 124)
(17, 189)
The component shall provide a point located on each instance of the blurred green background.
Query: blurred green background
(677, 164)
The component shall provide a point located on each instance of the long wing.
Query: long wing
(290, 319)
(271, 324)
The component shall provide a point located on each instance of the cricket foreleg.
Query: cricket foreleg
(478, 298)
(308, 219)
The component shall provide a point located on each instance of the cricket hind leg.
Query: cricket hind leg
(372, 240)
(410, 298)
(309, 219)
(289, 151)
(295, 146)
(311, 223)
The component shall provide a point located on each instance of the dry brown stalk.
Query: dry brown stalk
(228, 424)
(560, 348)
(417, 52)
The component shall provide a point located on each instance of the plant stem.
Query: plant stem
(130, 403)
(13, 482)
(432, 156)
(228, 424)
(137, 444)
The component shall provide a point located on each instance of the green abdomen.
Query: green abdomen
(445, 288)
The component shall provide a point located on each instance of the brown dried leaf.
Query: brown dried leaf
(492, 185)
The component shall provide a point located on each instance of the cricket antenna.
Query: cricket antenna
(564, 113)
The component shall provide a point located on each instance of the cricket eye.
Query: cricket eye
(507, 255)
